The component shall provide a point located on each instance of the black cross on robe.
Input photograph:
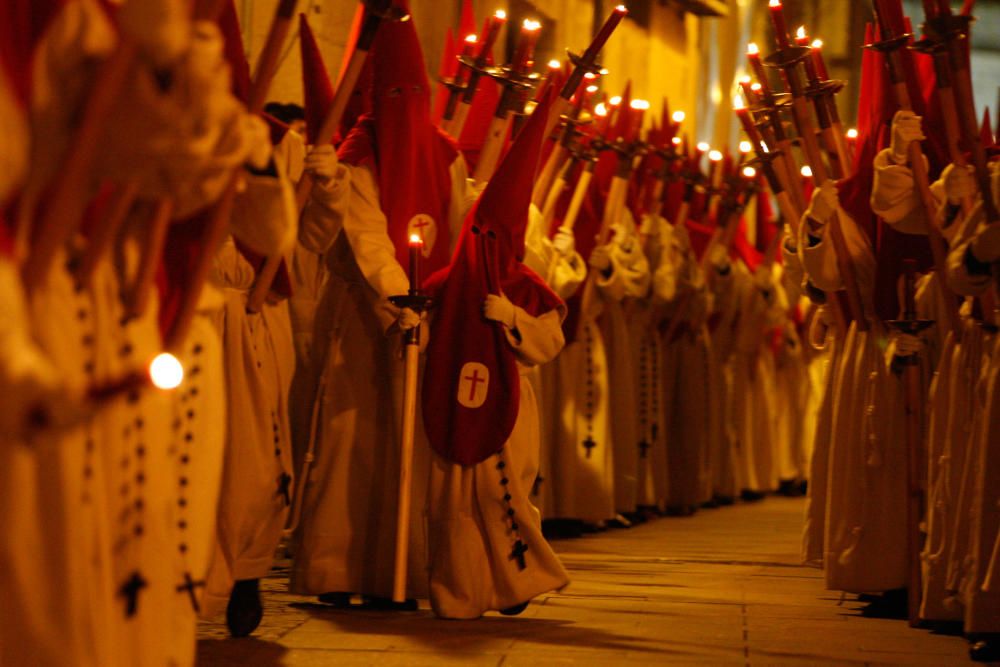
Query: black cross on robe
(130, 591)
(517, 553)
(191, 586)
(589, 444)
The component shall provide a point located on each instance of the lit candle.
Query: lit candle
(778, 20)
(802, 39)
(746, 85)
(749, 173)
(470, 45)
(166, 371)
(852, 139)
(493, 26)
(817, 58)
(715, 168)
(638, 110)
(699, 150)
(525, 51)
(416, 246)
(604, 33)
(753, 55)
(745, 147)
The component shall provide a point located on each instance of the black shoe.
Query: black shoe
(788, 488)
(244, 611)
(680, 510)
(636, 517)
(556, 529)
(723, 501)
(710, 505)
(986, 649)
(892, 604)
(338, 599)
(388, 604)
(750, 496)
(619, 522)
(515, 610)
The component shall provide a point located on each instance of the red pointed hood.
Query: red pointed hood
(467, 20)
(318, 91)
(398, 141)
(236, 55)
(447, 71)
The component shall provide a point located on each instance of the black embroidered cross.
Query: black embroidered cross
(283, 483)
(130, 591)
(517, 553)
(643, 448)
(191, 586)
(589, 444)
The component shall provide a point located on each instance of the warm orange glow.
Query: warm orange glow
(615, 101)
(738, 103)
(755, 87)
(753, 49)
(749, 172)
(471, 39)
(676, 141)
(852, 133)
(500, 14)
(531, 24)
(801, 32)
(678, 116)
(745, 147)
(414, 238)
(639, 105)
(600, 109)
(621, 9)
(591, 89)
(166, 371)
(715, 156)
(774, 3)
(817, 44)
(703, 146)
(806, 171)
(555, 64)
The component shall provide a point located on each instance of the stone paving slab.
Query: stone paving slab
(723, 587)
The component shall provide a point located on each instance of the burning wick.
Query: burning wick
(745, 147)
(714, 156)
(471, 39)
(166, 371)
(591, 89)
(749, 172)
(600, 109)
(639, 104)
(555, 64)
(615, 101)
(852, 133)
(806, 171)
(678, 116)
(676, 141)
(500, 14)
(703, 146)
(753, 49)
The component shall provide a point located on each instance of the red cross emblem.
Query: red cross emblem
(423, 226)
(473, 384)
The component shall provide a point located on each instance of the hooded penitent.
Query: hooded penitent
(408, 154)
(471, 386)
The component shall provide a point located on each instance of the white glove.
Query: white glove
(321, 163)
(564, 242)
(906, 128)
(907, 344)
(825, 201)
(600, 258)
(958, 182)
(499, 309)
(986, 244)
(407, 319)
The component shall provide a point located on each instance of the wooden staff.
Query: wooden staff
(890, 46)
(106, 231)
(149, 260)
(573, 212)
(787, 60)
(61, 215)
(375, 12)
(218, 221)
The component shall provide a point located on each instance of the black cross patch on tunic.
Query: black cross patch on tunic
(517, 554)
(191, 586)
(589, 444)
(130, 591)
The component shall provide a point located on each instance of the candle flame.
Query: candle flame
(591, 89)
(600, 109)
(703, 146)
(806, 171)
(801, 32)
(615, 101)
(639, 105)
(753, 49)
(589, 76)
(817, 44)
(604, 71)
(756, 87)
(531, 24)
(621, 9)
(852, 133)
(500, 15)
(166, 371)
(714, 156)
(746, 78)
(774, 4)
(676, 141)
(678, 116)
(745, 147)
(555, 64)
(738, 104)
(471, 39)
(415, 239)
(749, 172)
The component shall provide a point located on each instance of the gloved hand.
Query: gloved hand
(907, 344)
(986, 244)
(825, 201)
(600, 258)
(499, 309)
(407, 319)
(906, 128)
(321, 163)
(564, 243)
(958, 182)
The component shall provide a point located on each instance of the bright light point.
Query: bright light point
(166, 372)
(555, 64)
(676, 141)
(589, 76)
(678, 116)
(817, 44)
(600, 109)
(529, 108)
(604, 71)
(639, 105)
(745, 147)
(500, 14)
(531, 24)
(766, 149)
(615, 101)
(749, 172)
(591, 89)
(756, 87)
(621, 9)
(471, 39)
(753, 49)
(806, 171)
(852, 133)
(703, 146)
(714, 156)
(738, 103)
(801, 32)
(414, 238)
(746, 79)
(774, 3)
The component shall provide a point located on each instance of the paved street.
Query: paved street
(720, 588)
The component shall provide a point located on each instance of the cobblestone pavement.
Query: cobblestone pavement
(723, 587)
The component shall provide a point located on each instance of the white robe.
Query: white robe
(472, 512)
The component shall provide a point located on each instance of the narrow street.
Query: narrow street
(723, 588)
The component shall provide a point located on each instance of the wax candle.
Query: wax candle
(817, 58)
(778, 21)
(753, 55)
(416, 245)
(604, 33)
(525, 51)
